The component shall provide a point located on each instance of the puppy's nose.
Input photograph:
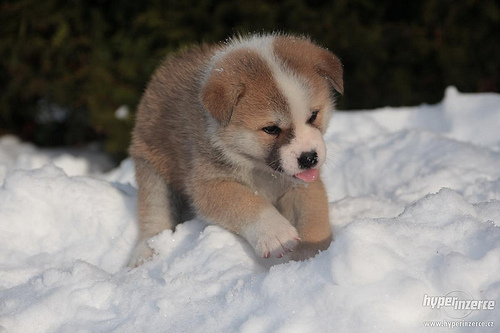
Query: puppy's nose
(308, 160)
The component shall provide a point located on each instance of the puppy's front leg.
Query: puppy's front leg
(238, 209)
(307, 208)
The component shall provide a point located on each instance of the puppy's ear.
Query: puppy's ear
(220, 95)
(300, 53)
(330, 67)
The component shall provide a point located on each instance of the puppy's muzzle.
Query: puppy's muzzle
(308, 160)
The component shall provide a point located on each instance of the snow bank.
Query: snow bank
(415, 207)
(15, 154)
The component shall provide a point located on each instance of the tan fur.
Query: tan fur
(307, 208)
(199, 145)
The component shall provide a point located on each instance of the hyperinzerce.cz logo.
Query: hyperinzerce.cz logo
(457, 304)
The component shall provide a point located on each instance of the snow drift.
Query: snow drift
(415, 208)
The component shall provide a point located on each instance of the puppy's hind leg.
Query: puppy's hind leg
(155, 209)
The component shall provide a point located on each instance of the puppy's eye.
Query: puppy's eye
(272, 130)
(313, 117)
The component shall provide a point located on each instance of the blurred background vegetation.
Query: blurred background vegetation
(66, 66)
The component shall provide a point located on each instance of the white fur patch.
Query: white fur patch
(307, 138)
(271, 234)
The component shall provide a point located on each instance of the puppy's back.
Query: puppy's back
(170, 117)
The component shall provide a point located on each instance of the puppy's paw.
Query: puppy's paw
(142, 253)
(307, 250)
(271, 235)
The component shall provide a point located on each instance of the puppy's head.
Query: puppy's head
(271, 98)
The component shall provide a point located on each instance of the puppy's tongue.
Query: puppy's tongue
(308, 175)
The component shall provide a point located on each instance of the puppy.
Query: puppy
(233, 134)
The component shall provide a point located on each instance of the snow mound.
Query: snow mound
(415, 208)
(48, 217)
(15, 154)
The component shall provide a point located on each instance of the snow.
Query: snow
(122, 112)
(415, 208)
(15, 154)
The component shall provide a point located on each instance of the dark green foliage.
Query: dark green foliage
(83, 59)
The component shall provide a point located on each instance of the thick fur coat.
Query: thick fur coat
(233, 133)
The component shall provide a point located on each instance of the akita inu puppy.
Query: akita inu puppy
(233, 133)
